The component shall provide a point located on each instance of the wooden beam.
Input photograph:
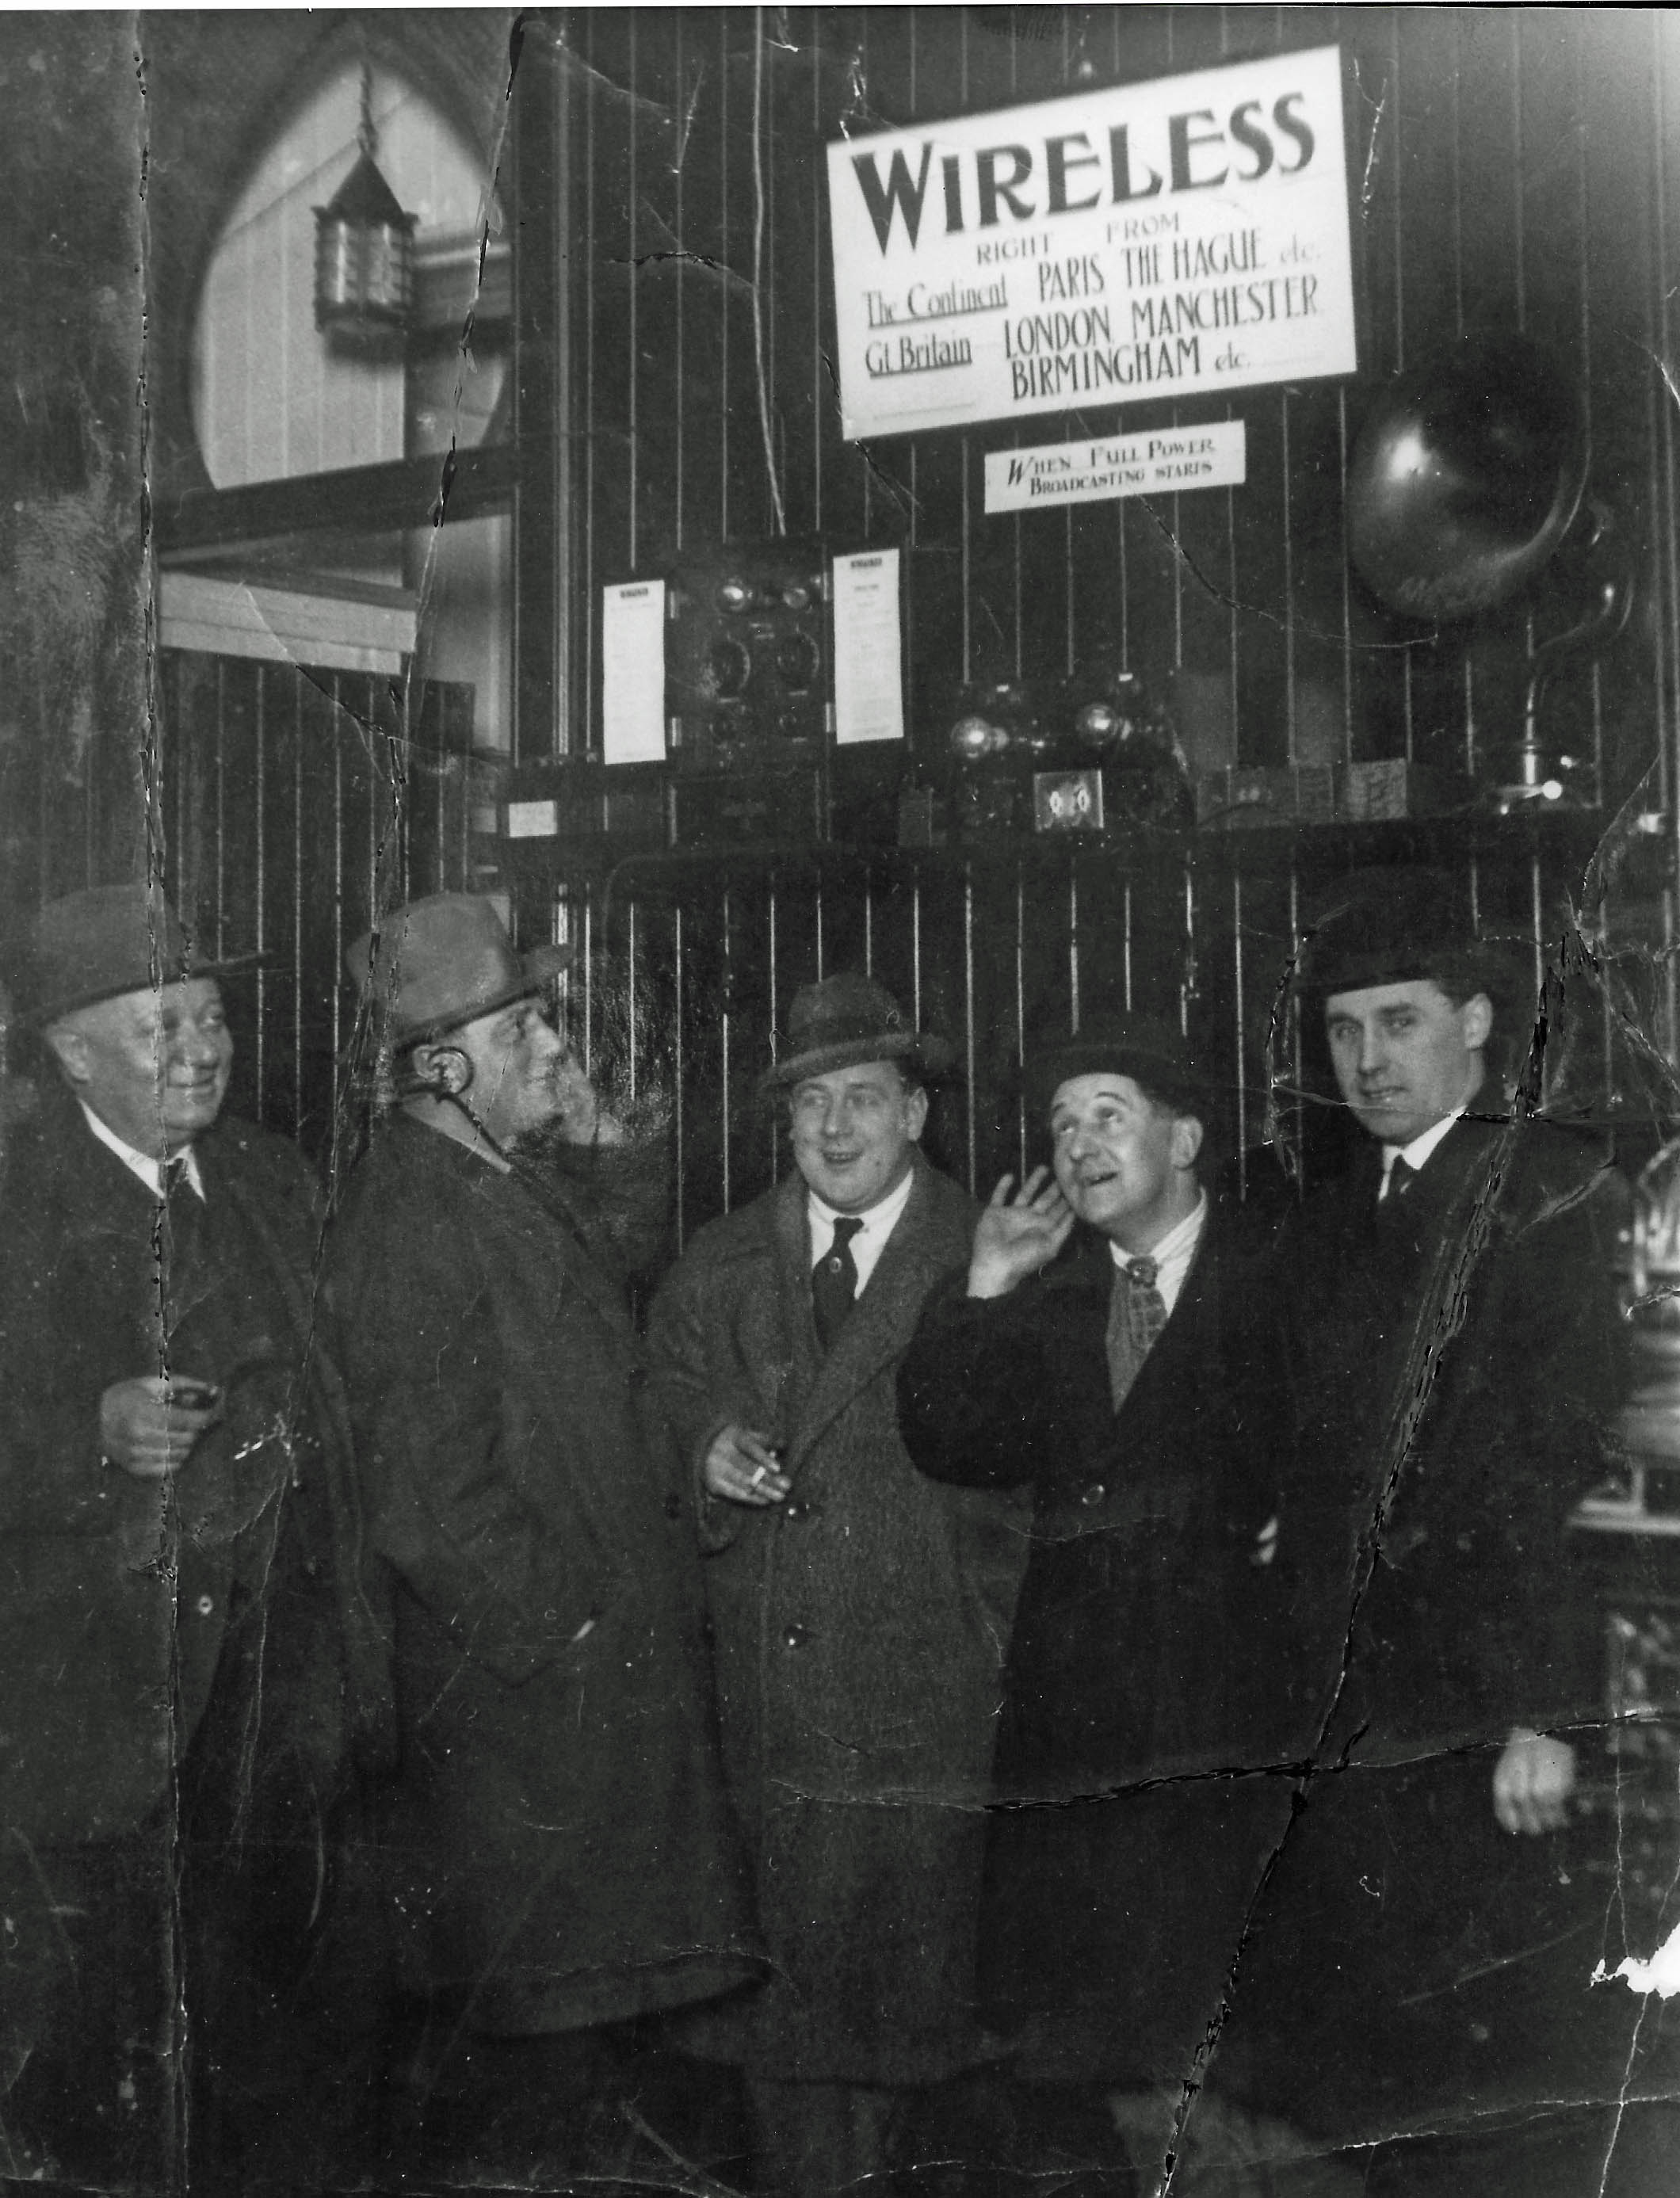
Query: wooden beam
(409, 492)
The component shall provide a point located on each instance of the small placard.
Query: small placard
(868, 676)
(532, 820)
(1163, 460)
(632, 672)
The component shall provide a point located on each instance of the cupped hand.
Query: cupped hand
(1018, 1235)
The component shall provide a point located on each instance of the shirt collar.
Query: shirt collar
(1178, 1243)
(878, 1219)
(1420, 1149)
(150, 1170)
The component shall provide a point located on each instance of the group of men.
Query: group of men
(1083, 1687)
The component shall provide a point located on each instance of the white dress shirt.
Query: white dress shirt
(1172, 1255)
(871, 1241)
(150, 1170)
(1415, 1154)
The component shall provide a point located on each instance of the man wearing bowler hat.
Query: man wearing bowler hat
(559, 1857)
(1420, 1966)
(184, 1660)
(1102, 1349)
(859, 1614)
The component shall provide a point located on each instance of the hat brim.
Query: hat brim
(923, 1050)
(539, 967)
(1174, 1080)
(234, 965)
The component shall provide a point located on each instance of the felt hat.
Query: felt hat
(846, 1019)
(437, 963)
(1395, 927)
(1152, 1052)
(110, 939)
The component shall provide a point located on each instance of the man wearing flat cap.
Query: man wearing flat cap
(184, 1660)
(1103, 1350)
(1421, 1959)
(561, 1858)
(859, 1614)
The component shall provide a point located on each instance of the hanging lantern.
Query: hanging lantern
(363, 252)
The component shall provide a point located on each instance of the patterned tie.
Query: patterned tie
(833, 1282)
(1137, 1315)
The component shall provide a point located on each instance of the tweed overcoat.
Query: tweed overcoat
(1146, 1642)
(123, 1606)
(560, 1847)
(1455, 1358)
(859, 1630)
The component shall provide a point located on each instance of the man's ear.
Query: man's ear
(1187, 1136)
(1475, 1020)
(70, 1050)
(443, 1070)
(915, 1112)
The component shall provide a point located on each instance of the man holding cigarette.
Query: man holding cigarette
(181, 1656)
(859, 1612)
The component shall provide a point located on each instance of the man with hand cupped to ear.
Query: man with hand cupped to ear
(1104, 1347)
(561, 1862)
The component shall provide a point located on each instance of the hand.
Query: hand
(741, 1468)
(148, 1426)
(1018, 1235)
(1532, 1781)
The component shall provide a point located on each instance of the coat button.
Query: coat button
(798, 1507)
(205, 1605)
(792, 1636)
(1094, 1494)
(673, 1507)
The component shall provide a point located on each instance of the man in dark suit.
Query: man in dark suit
(859, 1614)
(1422, 1959)
(184, 1659)
(558, 1855)
(1127, 1382)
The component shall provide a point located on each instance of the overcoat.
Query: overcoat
(191, 1674)
(558, 1838)
(859, 1630)
(123, 1606)
(1454, 1359)
(1146, 1645)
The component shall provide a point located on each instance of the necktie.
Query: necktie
(1401, 1177)
(182, 1206)
(833, 1282)
(1137, 1315)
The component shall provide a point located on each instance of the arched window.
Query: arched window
(272, 398)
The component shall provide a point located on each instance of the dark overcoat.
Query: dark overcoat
(121, 1601)
(1454, 1359)
(1121, 1860)
(559, 1841)
(859, 1632)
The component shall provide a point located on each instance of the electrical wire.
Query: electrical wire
(758, 267)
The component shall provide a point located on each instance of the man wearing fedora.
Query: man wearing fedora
(1420, 1966)
(1102, 1348)
(561, 1858)
(859, 1614)
(184, 1659)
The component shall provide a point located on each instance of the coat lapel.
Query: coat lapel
(880, 1323)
